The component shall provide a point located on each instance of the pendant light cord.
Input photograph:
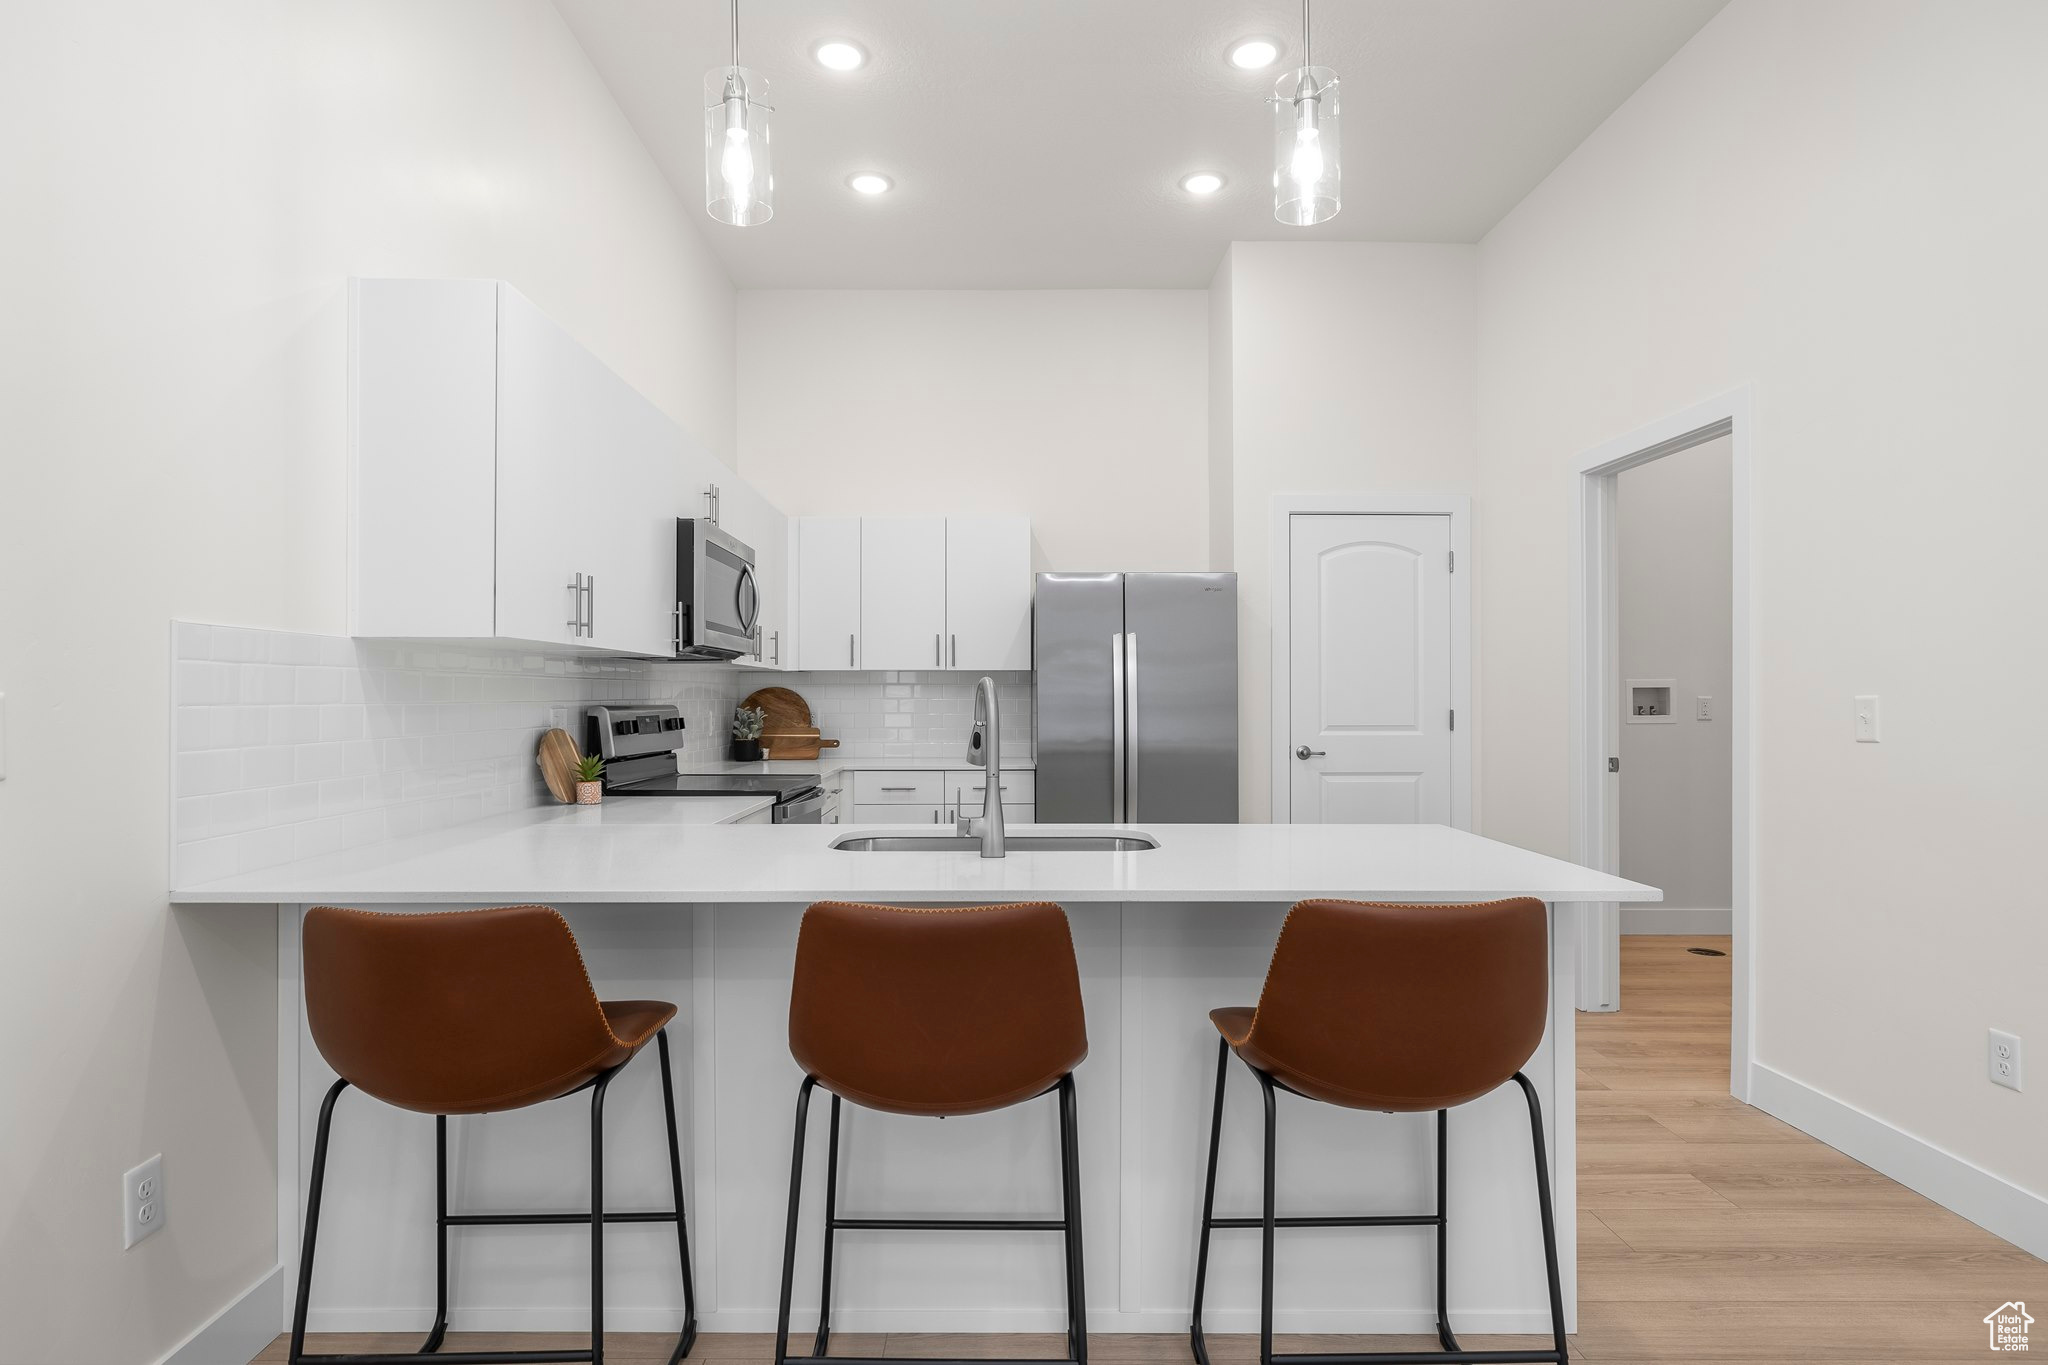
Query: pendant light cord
(1308, 46)
(736, 29)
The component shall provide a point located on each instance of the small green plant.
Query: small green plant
(747, 722)
(589, 768)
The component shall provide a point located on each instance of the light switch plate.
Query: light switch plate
(1866, 720)
(142, 1200)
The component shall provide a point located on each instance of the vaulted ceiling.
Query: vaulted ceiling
(1040, 143)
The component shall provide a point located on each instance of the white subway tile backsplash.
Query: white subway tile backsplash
(288, 745)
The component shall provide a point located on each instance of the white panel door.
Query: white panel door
(828, 593)
(988, 593)
(1369, 704)
(902, 592)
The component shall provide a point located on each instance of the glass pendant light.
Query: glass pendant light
(1307, 180)
(739, 185)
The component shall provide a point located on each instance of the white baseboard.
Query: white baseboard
(1675, 919)
(1991, 1202)
(238, 1333)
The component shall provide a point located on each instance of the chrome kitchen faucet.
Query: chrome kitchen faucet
(984, 750)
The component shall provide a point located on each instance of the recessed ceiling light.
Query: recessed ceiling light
(1202, 182)
(1254, 54)
(839, 55)
(869, 183)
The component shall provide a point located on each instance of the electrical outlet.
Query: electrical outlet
(1866, 720)
(1702, 708)
(2002, 1056)
(142, 1200)
(558, 717)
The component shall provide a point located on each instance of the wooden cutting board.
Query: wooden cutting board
(795, 744)
(786, 710)
(558, 759)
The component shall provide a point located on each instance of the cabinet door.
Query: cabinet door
(988, 593)
(744, 513)
(632, 608)
(423, 455)
(903, 592)
(828, 593)
(551, 435)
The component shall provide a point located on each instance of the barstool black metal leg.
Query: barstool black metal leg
(818, 1347)
(1195, 1339)
(440, 1328)
(1070, 1180)
(1266, 1232)
(597, 1216)
(1443, 1232)
(675, 1178)
(314, 1186)
(796, 1186)
(1543, 1205)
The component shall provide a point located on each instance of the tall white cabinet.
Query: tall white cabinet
(904, 593)
(505, 484)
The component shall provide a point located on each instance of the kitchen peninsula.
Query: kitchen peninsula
(706, 915)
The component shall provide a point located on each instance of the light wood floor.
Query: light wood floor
(1708, 1231)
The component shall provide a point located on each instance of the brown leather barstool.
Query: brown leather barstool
(1400, 1008)
(936, 1013)
(475, 1012)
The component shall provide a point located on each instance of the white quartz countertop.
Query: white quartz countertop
(674, 852)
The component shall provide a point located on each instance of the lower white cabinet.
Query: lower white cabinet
(759, 817)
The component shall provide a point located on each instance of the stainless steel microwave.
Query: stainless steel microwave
(718, 600)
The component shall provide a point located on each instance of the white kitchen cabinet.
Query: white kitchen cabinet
(504, 483)
(571, 437)
(746, 514)
(759, 817)
(902, 592)
(988, 593)
(828, 593)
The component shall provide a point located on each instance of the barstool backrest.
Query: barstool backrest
(1403, 1007)
(455, 1012)
(936, 1011)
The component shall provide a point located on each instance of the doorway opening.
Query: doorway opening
(1618, 691)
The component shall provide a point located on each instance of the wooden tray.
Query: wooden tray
(558, 758)
(786, 710)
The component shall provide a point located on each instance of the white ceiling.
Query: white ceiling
(1039, 143)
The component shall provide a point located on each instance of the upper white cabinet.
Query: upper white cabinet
(828, 593)
(587, 484)
(744, 513)
(903, 592)
(504, 483)
(914, 593)
(988, 593)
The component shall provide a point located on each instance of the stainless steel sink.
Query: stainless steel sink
(1015, 843)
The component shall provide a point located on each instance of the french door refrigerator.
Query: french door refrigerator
(1136, 697)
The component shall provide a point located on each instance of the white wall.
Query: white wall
(1673, 542)
(1086, 410)
(187, 188)
(1838, 203)
(1351, 370)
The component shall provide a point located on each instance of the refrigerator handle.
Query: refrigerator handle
(1131, 726)
(1116, 728)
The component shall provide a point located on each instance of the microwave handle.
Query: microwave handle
(749, 602)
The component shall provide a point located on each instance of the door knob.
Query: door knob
(1305, 752)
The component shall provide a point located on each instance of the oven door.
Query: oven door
(718, 599)
(807, 809)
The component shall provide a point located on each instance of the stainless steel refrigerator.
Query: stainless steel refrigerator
(1136, 697)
